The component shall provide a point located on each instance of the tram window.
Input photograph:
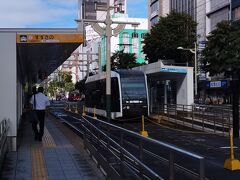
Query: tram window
(102, 97)
(115, 95)
(132, 88)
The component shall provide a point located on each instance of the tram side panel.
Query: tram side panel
(96, 97)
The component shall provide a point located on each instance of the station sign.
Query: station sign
(173, 70)
(49, 38)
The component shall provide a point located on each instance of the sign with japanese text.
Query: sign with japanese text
(49, 38)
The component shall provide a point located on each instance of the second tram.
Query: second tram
(129, 96)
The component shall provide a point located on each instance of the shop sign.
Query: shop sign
(217, 84)
(173, 70)
(49, 38)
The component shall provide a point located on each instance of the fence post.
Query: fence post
(121, 158)
(94, 113)
(83, 113)
(202, 169)
(171, 166)
(143, 132)
(193, 111)
(76, 109)
(231, 163)
(141, 155)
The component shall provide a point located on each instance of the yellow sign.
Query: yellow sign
(49, 38)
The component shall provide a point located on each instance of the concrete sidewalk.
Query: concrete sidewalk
(59, 156)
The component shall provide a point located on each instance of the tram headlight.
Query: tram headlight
(126, 107)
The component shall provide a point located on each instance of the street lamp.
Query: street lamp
(194, 51)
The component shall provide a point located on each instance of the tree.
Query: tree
(52, 87)
(222, 56)
(122, 60)
(63, 85)
(172, 31)
(66, 76)
(69, 86)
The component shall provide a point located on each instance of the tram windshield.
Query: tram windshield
(133, 88)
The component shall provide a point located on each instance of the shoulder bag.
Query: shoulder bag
(32, 114)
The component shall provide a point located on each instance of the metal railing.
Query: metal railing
(127, 155)
(214, 119)
(4, 126)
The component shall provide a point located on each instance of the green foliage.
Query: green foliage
(172, 31)
(64, 85)
(69, 86)
(52, 87)
(66, 76)
(122, 60)
(222, 55)
(222, 52)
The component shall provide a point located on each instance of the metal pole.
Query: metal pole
(88, 64)
(195, 67)
(108, 63)
(99, 60)
(230, 10)
(171, 166)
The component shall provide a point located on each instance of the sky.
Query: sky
(52, 13)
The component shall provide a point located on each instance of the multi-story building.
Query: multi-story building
(207, 13)
(159, 8)
(216, 11)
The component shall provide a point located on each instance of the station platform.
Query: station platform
(60, 156)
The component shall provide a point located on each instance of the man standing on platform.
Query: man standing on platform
(41, 104)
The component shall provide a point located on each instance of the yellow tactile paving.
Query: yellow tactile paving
(39, 171)
(48, 140)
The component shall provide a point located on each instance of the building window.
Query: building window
(125, 42)
(236, 13)
(154, 21)
(135, 43)
(154, 7)
(134, 35)
(143, 35)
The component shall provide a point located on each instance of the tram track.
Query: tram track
(154, 128)
(207, 144)
(133, 147)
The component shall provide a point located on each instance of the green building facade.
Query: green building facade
(131, 40)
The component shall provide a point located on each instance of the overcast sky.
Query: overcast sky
(52, 13)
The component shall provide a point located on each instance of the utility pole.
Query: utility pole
(107, 31)
(195, 68)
